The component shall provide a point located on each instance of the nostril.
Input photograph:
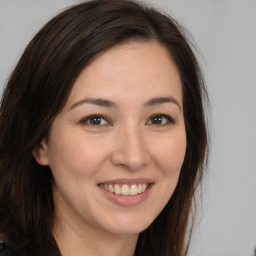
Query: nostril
(130, 158)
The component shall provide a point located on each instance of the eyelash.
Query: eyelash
(158, 117)
(169, 119)
(88, 119)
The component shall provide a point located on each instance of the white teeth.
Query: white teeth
(139, 189)
(134, 190)
(117, 190)
(125, 189)
(110, 188)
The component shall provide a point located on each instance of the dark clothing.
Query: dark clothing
(6, 250)
(27, 250)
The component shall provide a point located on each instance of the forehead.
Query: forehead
(136, 70)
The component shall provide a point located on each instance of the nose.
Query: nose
(130, 150)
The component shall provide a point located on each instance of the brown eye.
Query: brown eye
(161, 119)
(94, 120)
(156, 120)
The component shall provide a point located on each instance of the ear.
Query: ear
(40, 153)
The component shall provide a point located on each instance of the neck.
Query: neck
(90, 241)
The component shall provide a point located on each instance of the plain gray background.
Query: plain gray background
(225, 33)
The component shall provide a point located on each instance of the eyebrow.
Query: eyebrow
(97, 101)
(162, 100)
(107, 103)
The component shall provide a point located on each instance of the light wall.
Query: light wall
(225, 32)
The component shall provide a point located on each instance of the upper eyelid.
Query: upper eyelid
(163, 115)
(159, 114)
(86, 118)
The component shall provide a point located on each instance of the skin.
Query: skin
(125, 143)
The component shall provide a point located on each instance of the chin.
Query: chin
(129, 225)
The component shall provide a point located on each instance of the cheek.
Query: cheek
(76, 156)
(89, 158)
(170, 153)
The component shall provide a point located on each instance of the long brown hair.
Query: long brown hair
(37, 91)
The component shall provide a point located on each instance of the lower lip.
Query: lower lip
(128, 200)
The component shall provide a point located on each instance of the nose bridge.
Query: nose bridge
(131, 150)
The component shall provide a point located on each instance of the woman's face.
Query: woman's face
(116, 148)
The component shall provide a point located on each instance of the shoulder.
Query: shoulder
(6, 250)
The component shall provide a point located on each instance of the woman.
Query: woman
(103, 137)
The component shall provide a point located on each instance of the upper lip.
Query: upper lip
(128, 181)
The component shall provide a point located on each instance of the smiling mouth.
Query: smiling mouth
(125, 189)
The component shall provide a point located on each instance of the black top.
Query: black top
(6, 250)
